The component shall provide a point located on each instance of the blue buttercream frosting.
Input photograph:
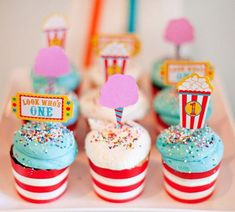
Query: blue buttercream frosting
(166, 104)
(68, 81)
(44, 145)
(188, 150)
(58, 90)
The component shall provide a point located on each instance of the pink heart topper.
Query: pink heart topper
(119, 91)
(179, 31)
(51, 62)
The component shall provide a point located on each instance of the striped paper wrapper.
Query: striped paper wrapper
(56, 37)
(190, 187)
(118, 185)
(191, 119)
(39, 186)
(116, 63)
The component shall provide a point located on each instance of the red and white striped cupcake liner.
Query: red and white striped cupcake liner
(118, 185)
(190, 187)
(39, 186)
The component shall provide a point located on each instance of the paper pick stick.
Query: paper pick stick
(132, 16)
(194, 96)
(178, 32)
(118, 92)
(95, 18)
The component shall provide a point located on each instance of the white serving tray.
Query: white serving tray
(80, 196)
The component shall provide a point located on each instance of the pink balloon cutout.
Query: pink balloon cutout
(51, 62)
(179, 31)
(119, 91)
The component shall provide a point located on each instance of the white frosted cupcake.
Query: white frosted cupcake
(118, 159)
(91, 108)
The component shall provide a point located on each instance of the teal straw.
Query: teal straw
(132, 16)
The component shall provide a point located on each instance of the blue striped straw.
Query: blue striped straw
(118, 113)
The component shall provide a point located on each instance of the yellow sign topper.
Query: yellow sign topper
(131, 41)
(42, 107)
(173, 71)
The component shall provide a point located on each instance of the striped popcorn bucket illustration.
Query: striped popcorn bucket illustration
(114, 65)
(190, 187)
(56, 37)
(193, 108)
(39, 186)
(118, 185)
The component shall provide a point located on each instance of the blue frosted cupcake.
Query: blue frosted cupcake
(191, 162)
(71, 123)
(166, 107)
(70, 81)
(41, 155)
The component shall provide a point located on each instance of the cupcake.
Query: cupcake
(91, 108)
(166, 107)
(191, 162)
(71, 124)
(118, 159)
(40, 156)
(69, 81)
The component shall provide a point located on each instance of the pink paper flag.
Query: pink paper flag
(179, 31)
(51, 62)
(119, 91)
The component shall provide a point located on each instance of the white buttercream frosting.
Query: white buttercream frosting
(55, 22)
(195, 83)
(97, 73)
(115, 49)
(118, 148)
(91, 108)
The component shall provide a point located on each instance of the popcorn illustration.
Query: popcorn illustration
(55, 29)
(115, 57)
(194, 96)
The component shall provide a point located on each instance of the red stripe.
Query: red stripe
(123, 66)
(189, 201)
(116, 189)
(118, 201)
(204, 103)
(120, 111)
(192, 118)
(40, 201)
(195, 92)
(40, 189)
(106, 69)
(184, 100)
(187, 188)
(118, 116)
(119, 174)
(196, 175)
(34, 173)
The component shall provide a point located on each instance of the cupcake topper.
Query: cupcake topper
(51, 63)
(178, 32)
(194, 95)
(114, 56)
(42, 107)
(172, 71)
(130, 41)
(118, 92)
(55, 29)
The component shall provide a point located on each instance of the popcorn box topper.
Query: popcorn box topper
(194, 96)
(42, 107)
(115, 57)
(175, 70)
(55, 28)
(131, 42)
